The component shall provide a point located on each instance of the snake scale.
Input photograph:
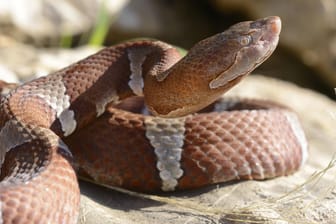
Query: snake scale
(89, 120)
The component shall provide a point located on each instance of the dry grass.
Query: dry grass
(295, 206)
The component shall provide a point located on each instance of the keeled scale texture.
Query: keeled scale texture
(243, 144)
(107, 159)
(254, 144)
(39, 184)
(56, 105)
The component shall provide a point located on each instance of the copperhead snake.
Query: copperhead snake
(87, 119)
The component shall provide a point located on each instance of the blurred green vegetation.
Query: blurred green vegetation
(102, 26)
(98, 34)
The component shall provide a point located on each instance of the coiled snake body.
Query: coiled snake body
(84, 118)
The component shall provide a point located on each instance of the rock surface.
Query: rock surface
(52, 19)
(23, 62)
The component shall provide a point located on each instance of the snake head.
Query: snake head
(250, 43)
(212, 67)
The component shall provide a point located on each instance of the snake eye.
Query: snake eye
(245, 40)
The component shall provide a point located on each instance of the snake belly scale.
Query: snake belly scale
(89, 120)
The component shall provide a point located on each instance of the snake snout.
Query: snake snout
(272, 29)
